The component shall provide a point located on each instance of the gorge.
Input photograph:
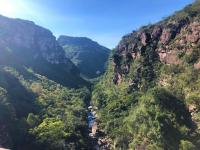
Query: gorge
(72, 93)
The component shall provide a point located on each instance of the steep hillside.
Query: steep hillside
(90, 57)
(149, 97)
(37, 113)
(38, 110)
(22, 42)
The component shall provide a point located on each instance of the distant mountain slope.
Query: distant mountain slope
(149, 98)
(87, 55)
(22, 42)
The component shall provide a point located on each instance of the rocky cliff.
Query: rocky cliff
(90, 57)
(22, 42)
(174, 40)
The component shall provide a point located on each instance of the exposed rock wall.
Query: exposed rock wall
(24, 34)
(165, 41)
(31, 46)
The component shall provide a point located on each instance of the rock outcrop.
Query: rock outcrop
(169, 41)
(35, 47)
(24, 34)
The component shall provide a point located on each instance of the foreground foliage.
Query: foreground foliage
(38, 113)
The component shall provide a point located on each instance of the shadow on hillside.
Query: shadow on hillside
(20, 97)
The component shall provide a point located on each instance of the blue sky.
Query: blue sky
(104, 21)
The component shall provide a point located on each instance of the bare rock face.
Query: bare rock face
(21, 34)
(157, 31)
(166, 35)
(162, 42)
(35, 47)
(169, 33)
(194, 32)
(144, 38)
(197, 65)
(169, 57)
(135, 55)
(172, 30)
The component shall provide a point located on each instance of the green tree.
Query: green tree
(186, 145)
(51, 132)
(32, 120)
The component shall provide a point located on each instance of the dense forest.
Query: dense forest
(37, 113)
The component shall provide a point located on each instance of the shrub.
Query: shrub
(186, 145)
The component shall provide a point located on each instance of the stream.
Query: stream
(97, 137)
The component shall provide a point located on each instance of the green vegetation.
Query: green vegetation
(39, 113)
(155, 104)
(148, 99)
(194, 56)
(186, 145)
(158, 117)
(189, 12)
(90, 57)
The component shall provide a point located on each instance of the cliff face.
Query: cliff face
(169, 41)
(90, 57)
(22, 42)
(26, 35)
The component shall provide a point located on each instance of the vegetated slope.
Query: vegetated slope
(37, 113)
(38, 110)
(90, 57)
(150, 97)
(33, 46)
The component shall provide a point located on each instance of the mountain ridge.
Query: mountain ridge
(36, 47)
(83, 52)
